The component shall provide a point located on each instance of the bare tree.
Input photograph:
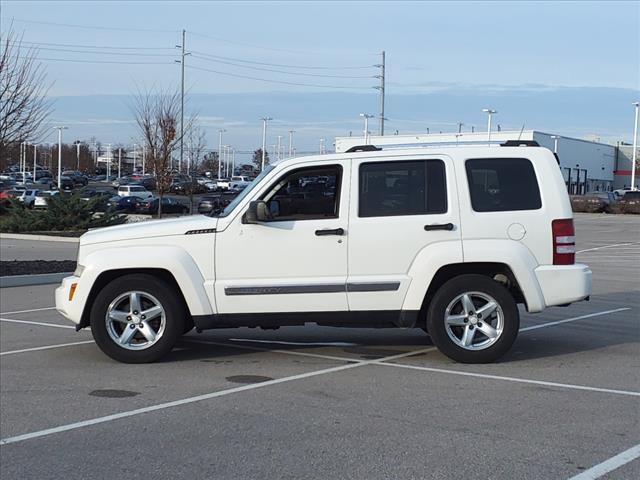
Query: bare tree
(158, 117)
(24, 105)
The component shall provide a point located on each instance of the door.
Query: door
(400, 206)
(296, 261)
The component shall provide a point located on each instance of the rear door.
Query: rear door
(400, 206)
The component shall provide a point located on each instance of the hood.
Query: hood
(149, 229)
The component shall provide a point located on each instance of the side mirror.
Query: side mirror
(257, 212)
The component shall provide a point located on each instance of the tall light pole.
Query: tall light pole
(366, 127)
(279, 145)
(264, 139)
(78, 142)
(490, 113)
(634, 155)
(108, 161)
(35, 149)
(221, 131)
(555, 143)
(291, 143)
(460, 125)
(60, 128)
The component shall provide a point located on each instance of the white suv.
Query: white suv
(448, 239)
(134, 191)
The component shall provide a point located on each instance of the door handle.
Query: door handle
(335, 231)
(437, 226)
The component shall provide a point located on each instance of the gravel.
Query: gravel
(32, 267)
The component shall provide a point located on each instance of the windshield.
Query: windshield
(229, 208)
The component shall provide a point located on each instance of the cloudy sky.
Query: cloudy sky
(569, 66)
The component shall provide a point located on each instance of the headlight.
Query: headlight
(79, 270)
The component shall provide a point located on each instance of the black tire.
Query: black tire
(175, 317)
(451, 290)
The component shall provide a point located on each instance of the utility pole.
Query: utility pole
(380, 87)
(119, 162)
(489, 112)
(291, 143)
(264, 139)
(184, 54)
(221, 131)
(634, 155)
(366, 127)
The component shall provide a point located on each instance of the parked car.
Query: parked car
(129, 204)
(78, 178)
(42, 197)
(45, 182)
(66, 183)
(239, 182)
(26, 196)
(222, 183)
(169, 205)
(210, 204)
(447, 239)
(134, 190)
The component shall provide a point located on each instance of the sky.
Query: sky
(570, 66)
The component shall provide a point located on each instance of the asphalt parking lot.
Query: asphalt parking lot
(318, 402)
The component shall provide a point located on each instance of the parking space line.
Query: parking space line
(609, 465)
(198, 398)
(573, 319)
(46, 347)
(607, 246)
(28, 311)
(507, 379)
(42, 324)
(287, 352)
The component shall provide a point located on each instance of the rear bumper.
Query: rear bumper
(563, 284)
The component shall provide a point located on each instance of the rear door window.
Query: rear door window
(502, 184)
(402, 188)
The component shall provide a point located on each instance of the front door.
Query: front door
(297, 261)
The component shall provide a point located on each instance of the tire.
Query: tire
(148, 339)
(454, 323)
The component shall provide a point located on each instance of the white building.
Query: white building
(586, 165)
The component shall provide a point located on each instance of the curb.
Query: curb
(29, 280)
(43, 238)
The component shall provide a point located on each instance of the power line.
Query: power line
(99, 61)
(85, 52)
(282, 82)
(280, 71)
(302, 67)
(94, 27)
(94, 46)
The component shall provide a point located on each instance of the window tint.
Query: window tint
(402, 188)
(502, 184)
(306, 194)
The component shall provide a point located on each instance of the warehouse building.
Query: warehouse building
(586, 165)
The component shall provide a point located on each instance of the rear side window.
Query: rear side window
(402, 188)
(502, 184)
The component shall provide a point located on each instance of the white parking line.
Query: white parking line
(567, 320)
(46, 347)
(507, 379)
(185, 401)
(312, 344)
(607, 246)
(609, 465)
(28, 311)
(42, 324)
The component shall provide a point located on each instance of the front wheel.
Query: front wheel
(137, 318)
(473, 319)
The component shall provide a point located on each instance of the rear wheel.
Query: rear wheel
(473, 319)
(137, 318)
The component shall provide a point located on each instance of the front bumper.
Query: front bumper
(70, 309)
(563, 284)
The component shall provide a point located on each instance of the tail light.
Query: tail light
(564, 242)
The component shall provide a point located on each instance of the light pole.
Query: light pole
(60, 128)
(35, 149)
(144, 154)
(366, 127)
(221, 131)
(108, 161)
(279, 145)
(264, 139)
(23, 162)
(291, 142)
(555, 143)
(133, 170)
(119, 161)
(78, 154)
(321, 146)
(460, 125)
(489, 112)
(634, 155)
(233, 162)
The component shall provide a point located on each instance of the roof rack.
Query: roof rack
(364, 148)
(520, 143)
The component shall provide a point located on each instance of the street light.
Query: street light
(78, 142)
(221, 131)
(555, 143)
(60, 128)
(366, 127)
(460, 125)
(35, 151)
(635, 148)
(489, 112)
(291, 132)
(264, 139)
